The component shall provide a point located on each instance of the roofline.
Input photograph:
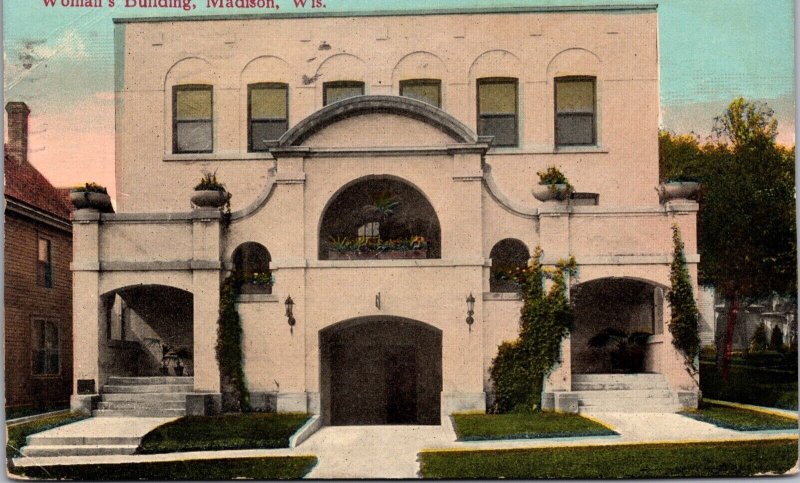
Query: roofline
(395, 13)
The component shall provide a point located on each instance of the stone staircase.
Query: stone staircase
(624, 393)
(149, 397)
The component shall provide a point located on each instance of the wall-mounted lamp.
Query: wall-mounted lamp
(470, 311)
(290, 313)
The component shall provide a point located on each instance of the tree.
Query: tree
(758, 343)
(776, 339)
(746, 228)
(685, 317)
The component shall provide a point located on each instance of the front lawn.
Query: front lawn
(16, 413)
(480, 427)
(227, 431)
(739, 419)
(18, 433)
(273, 468)
(729, 459)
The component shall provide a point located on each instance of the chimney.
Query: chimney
(18, 130)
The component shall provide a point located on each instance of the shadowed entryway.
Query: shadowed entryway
(381, 371)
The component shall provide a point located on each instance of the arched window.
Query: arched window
(251, 267)
(507, 256)
(379, 218)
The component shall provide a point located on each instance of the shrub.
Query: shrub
(553, 176)
(209, 182)
(759, 341)
(685, 317)
(546, 318)
(776, 339)
(235, 396)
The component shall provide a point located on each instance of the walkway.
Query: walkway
(392, 451)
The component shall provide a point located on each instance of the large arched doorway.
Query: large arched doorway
(614, 319)
(381, 371)
(147, 330)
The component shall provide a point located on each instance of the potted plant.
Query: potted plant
(256, 282)
(210, 193)
(679, 188)
(553, 185)
(626, 350)
(91, 196)
(362, 248)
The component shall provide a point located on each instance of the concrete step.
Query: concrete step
(143, 405)
(626, 395)
(159, 380)
(147, 388)
(38, 440)
(138, 413)
(630, 408)
(605, 382)
(79, 450)
(153, 397)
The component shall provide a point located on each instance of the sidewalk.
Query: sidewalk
(391, 451)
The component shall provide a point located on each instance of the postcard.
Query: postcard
(347, 239)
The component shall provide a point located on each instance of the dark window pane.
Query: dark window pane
(40, 363)
(193, 137)
(52, 366)
(575, 129)
(503, 128)
(264, 131)
(425, 91)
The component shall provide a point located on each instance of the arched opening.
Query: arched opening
(147, 331)
(507, 256)
(379, 218)
(251, 267)
(381, 371)
(614, 318)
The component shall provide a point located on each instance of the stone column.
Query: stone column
(86, 326)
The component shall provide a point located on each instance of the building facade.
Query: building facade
(381, 178)
(37, 278)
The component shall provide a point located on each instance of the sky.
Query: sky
(60, 61)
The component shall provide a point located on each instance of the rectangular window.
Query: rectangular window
(44, 264)
(340, 90)
(193, 119)
(575, 111)
(425, 90)
(46, 357)
(497, 110)
(268, 114)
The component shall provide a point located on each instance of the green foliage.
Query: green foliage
(746, 225)
(369, 245)
(759, 340)
(89, 188)
(552, 176)
(684, 324)
(546, 318)
(776, 339)
(739, 419)
(235, 395)
(749, 384)
(483, 427)
(626, 350)
(209, 182)
(17, 434)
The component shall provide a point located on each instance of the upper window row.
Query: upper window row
(497, 99)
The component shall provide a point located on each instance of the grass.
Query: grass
(227, 431)
(739, 419)
(481, 427)
(728, 459)
(272, 468)
(19, 432)
(14, 413)
(761, 386)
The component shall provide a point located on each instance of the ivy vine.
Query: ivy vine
(235, 396)
(546, 318)
(685, 317)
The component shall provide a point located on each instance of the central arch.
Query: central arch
(381, 370)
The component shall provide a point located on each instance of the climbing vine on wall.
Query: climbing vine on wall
(546, 318)
(685, 316)
(235, 396)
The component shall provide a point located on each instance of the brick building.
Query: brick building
(38, 281)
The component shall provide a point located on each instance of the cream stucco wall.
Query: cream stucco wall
(480, 194)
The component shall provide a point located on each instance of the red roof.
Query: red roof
(25, 183)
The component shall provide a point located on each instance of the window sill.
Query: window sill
(502, 296)
(225, 156)
(554, 150)
(579, 149)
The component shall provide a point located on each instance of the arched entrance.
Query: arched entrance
(147, 330)
(614, 318)
(381, 371)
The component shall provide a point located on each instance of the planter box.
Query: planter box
(254, 288)
(387, 255)
(544, 192)
(209, 198)
(83, 200)
(678, 190)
